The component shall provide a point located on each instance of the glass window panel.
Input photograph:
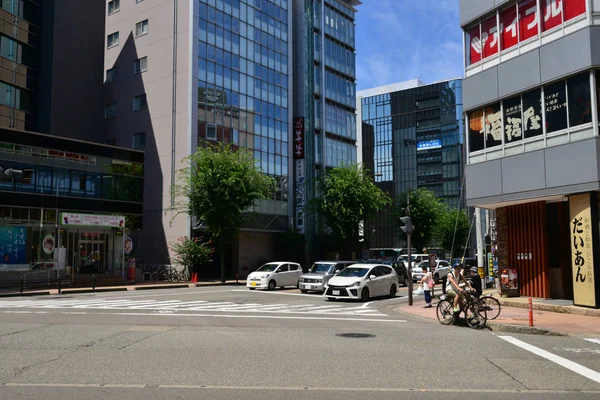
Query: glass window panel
(580, 107)
(556, 107)
(513, 120)
(532, 113)
(573, 8)
(551, 13)
(528, 19)
(476, 141)
(490, 38)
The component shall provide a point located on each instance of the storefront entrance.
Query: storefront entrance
(94, 251)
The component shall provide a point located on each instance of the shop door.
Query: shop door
(92, 246)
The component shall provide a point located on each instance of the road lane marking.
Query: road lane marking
(283, 293)
(597, 341)
(563, 362)
(243, 316)
(171, 292)
(365, 305)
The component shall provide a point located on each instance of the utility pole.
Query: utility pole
(479, 228)
(408, 229)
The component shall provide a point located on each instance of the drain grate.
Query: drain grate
(355, 335)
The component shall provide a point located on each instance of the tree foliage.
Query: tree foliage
(425, 211)
(348, 197)
(220, 186)
(452, 220)
(189, 252)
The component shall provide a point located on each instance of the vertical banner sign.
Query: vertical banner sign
(300, 172)
(491, 267)
(582, 250)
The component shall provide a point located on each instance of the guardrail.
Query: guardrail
(58, 282)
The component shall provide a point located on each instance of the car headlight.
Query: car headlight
(265, 276)
(357, 283)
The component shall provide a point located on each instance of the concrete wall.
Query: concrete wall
(163, 128)
(565, 56)
(554, 171)
(254, 247)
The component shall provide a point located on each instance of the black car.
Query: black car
(401, 271)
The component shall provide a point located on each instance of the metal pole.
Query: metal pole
(478, 228)
(123, 253)
(409, 245)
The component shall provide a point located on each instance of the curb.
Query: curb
(119, 289)
(552, 308)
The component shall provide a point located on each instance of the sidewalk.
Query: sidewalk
(550, 317)
(121, 288)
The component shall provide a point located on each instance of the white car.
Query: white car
(363, 281)
(274, 274)
(441, 270)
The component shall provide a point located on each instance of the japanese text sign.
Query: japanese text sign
(101, 221)
(582, 250)
(298, 138)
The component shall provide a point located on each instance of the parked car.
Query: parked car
(363, 281)
(320, 273)
(401, 271)
(441, 270)
(275, 274)
(416, 259)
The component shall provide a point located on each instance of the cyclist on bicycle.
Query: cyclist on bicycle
(453, 285)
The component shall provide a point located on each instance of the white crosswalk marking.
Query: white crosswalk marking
(199, 305)
(597, 341)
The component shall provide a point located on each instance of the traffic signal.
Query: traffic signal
(408, 226)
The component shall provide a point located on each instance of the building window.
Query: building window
(141, 28)
(111, 75)
(110, 110)
(140, 102)
(580, 106)
(493, 126)
(532, 113)
(140, 65)
(113, 6)
(513, 120)
(476, 141)
(139, 140)
(555, 97)
(112, 40)
(211, 131)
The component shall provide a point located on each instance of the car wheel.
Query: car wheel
(436, 278)
(304, 290)
(364, 295)
(272, 285)
(393, 291)
(330, 298)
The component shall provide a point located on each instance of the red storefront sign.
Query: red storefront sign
(520, 26)
(490, 38)
(475, 45)
(298, 138)
(508, 26)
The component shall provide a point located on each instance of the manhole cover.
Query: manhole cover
(355, 335)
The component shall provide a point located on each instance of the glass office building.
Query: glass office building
(324, 99)
(412, 137)
(243, 85)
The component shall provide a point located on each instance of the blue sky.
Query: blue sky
(398, 40)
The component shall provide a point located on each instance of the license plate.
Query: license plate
(253, 283)
(336, 292)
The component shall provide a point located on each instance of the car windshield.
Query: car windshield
(268, 268)
(405, 258)
(321, 268)
(358, 272)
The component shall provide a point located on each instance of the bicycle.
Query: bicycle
(475, 316)
(491, 305)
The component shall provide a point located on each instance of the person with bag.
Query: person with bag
(428, 283)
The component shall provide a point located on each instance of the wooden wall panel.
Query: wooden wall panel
(526, 233)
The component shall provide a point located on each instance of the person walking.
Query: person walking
(427, 283)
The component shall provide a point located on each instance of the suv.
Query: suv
(320, 273)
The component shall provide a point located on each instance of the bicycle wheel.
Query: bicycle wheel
(444, 312)
(476, 317)
(491, 305)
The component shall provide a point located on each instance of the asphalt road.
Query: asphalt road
(230, 343)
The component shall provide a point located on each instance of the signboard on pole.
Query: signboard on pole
(300, 172)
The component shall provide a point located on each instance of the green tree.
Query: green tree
(452, 231)
(220, 186)
(189, 252)
(425, 211)
(348, 197)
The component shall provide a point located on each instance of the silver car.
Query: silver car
(320, 273)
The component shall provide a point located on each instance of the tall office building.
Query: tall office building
(181, 73)
(324, 99)
(45, 84)
(531, 100)
(411, 137)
